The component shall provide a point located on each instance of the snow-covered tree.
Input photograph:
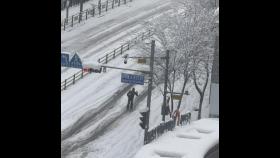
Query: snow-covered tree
(203, 20)
(188, 33)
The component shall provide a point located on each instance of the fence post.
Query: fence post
(74, 77)
(82, 73)
(64, 27)
(72, 23)
(114, 53)
(106, 58)
(127, 46)
(86, 14)
(121, 49)
(65, 84)
(93, 11)
(106, 5)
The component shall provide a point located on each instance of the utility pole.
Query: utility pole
(81, 10)
(67, 10)
(99, 7)
(163, 109)
(150, 88)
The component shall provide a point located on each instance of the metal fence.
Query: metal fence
(164, 127)
(120, 50)
(86, 14)
(71, 3)
(105, 59)
(73, 79)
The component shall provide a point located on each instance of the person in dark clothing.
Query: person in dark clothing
(130, 96)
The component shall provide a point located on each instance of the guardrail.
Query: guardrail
(86, 14)
(73, 79)
(120, 50)
(105, 59)
(164, 127)
(71, 3)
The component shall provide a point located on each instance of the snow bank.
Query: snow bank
(191, 141)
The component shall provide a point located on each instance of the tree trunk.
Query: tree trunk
(183, 89)
(201, 92)
(200, 106)
(172, 90)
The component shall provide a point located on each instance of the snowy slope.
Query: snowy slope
(125, 137)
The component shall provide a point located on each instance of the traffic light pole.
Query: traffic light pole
(150, 88)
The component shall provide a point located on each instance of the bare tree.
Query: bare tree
(201, 77)
(186, 34)
(162, 28)
(194, 36)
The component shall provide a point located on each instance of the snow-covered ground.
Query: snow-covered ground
(99, 35)
(125, 137)
(85, 101)
(191, 141)
(93, 90)
(76, 9)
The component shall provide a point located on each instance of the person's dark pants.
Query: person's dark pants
(129, 104)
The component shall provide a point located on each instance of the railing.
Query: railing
(185, 118)
(73, 79)
(105, 59)
(120, 50)
(71, 3)
(86, 14)
(164, 127)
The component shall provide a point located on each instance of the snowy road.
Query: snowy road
(103, 34)
(82, 97)
(95, 31)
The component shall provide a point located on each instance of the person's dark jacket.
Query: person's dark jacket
(131, 94)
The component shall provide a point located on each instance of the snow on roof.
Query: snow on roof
(189, 141)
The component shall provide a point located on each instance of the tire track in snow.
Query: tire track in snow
(82, 45)
(70, 146)
(92, 114)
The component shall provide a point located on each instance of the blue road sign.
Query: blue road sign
(132, 79)
(76, 62)
(65, 60)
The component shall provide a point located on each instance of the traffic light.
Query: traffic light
(92, 70)
(143, 119)
(125, 58)
(95, 70)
